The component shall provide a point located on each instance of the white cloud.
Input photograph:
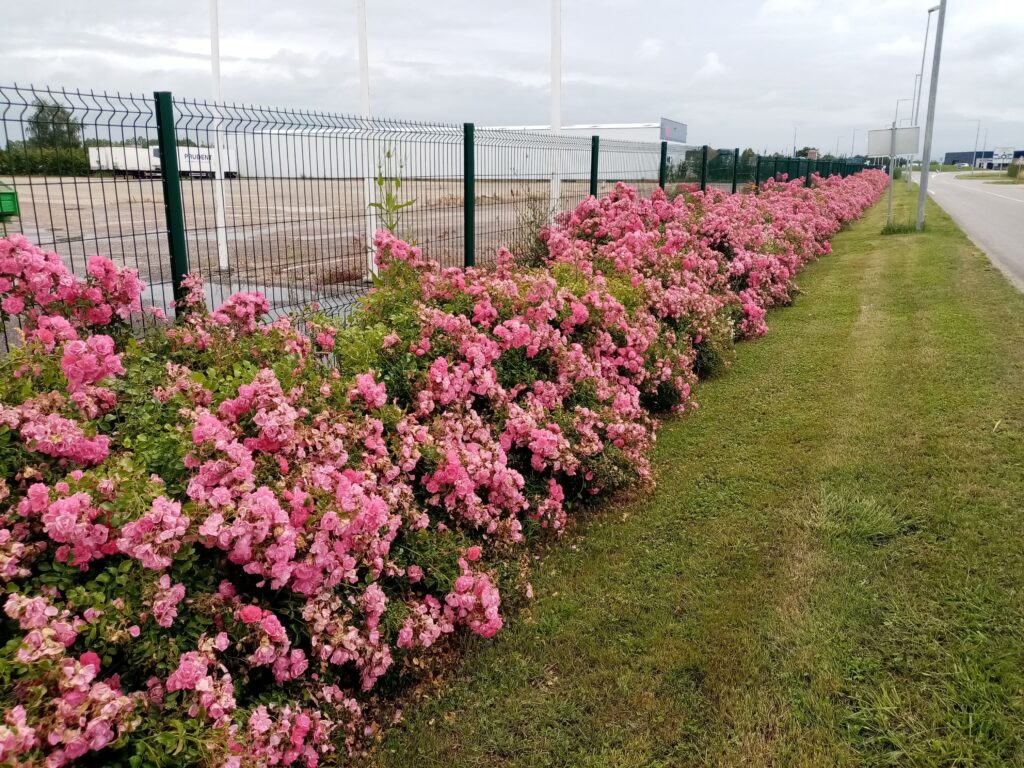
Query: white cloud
(649, 48)
(901, 46)
(711, 66)
(785, 9)
(840, 25)
(831, 66)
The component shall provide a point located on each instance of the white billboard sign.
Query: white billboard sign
(1002, 155)
(673, 131)
(907, 142)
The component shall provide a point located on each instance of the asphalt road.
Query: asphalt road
(992, 215)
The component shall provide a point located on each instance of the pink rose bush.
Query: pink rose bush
(233, 538)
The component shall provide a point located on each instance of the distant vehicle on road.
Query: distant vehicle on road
(143, 162)
(963, 165)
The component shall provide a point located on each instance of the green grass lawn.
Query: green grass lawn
(830, 571)
(982, 175)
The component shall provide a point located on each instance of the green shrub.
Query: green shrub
(48, 161)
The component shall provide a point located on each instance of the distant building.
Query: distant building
(983, 159)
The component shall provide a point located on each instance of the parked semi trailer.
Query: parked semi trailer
(127, 161)
(144, 162)
(198, 162)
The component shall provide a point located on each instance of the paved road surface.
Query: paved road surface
(992, 215)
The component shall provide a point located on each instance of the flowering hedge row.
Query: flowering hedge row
(228, 543)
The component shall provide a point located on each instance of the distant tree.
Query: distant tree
(747, 155)
(52, 126)
(805, 151)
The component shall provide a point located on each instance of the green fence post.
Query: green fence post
(704, 169)
(807, 176)
(595, 148)
(663, 165)
(468, 196)
(735, 167)
(757, 175)
(170, 180)
(775, 168)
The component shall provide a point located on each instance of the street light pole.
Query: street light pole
(837, 144)
(895, 122)
(929, 123)
(924, 51)
(852, 140)
(974, 163)
(896, 118)
(913, 107)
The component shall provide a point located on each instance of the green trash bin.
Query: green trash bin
(8, 205)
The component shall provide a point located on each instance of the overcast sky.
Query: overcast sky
(739, 72)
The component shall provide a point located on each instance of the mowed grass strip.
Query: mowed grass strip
(830, 571)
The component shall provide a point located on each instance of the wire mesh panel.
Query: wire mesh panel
(286, 202)
(720, 164)
(522, 179)
(292, 209)
(84, 169)
(684, 164)
(636, 163)
(746, 171)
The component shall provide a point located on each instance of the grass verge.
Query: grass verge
(830, 571)
(982, 175)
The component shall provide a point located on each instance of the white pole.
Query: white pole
(924, 52)
(974, 164)
(556, 100)
(852, 142)
(218, 170)
(364, 61)
(369, 193)
(929, 124)
(892, 164)
(913, 100)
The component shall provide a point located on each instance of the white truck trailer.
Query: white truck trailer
(198, 162)
(145, 161)
(129, 161)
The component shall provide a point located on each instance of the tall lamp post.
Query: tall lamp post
(896, 122)
(929, 124)
(924, 51)
(977, 132)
